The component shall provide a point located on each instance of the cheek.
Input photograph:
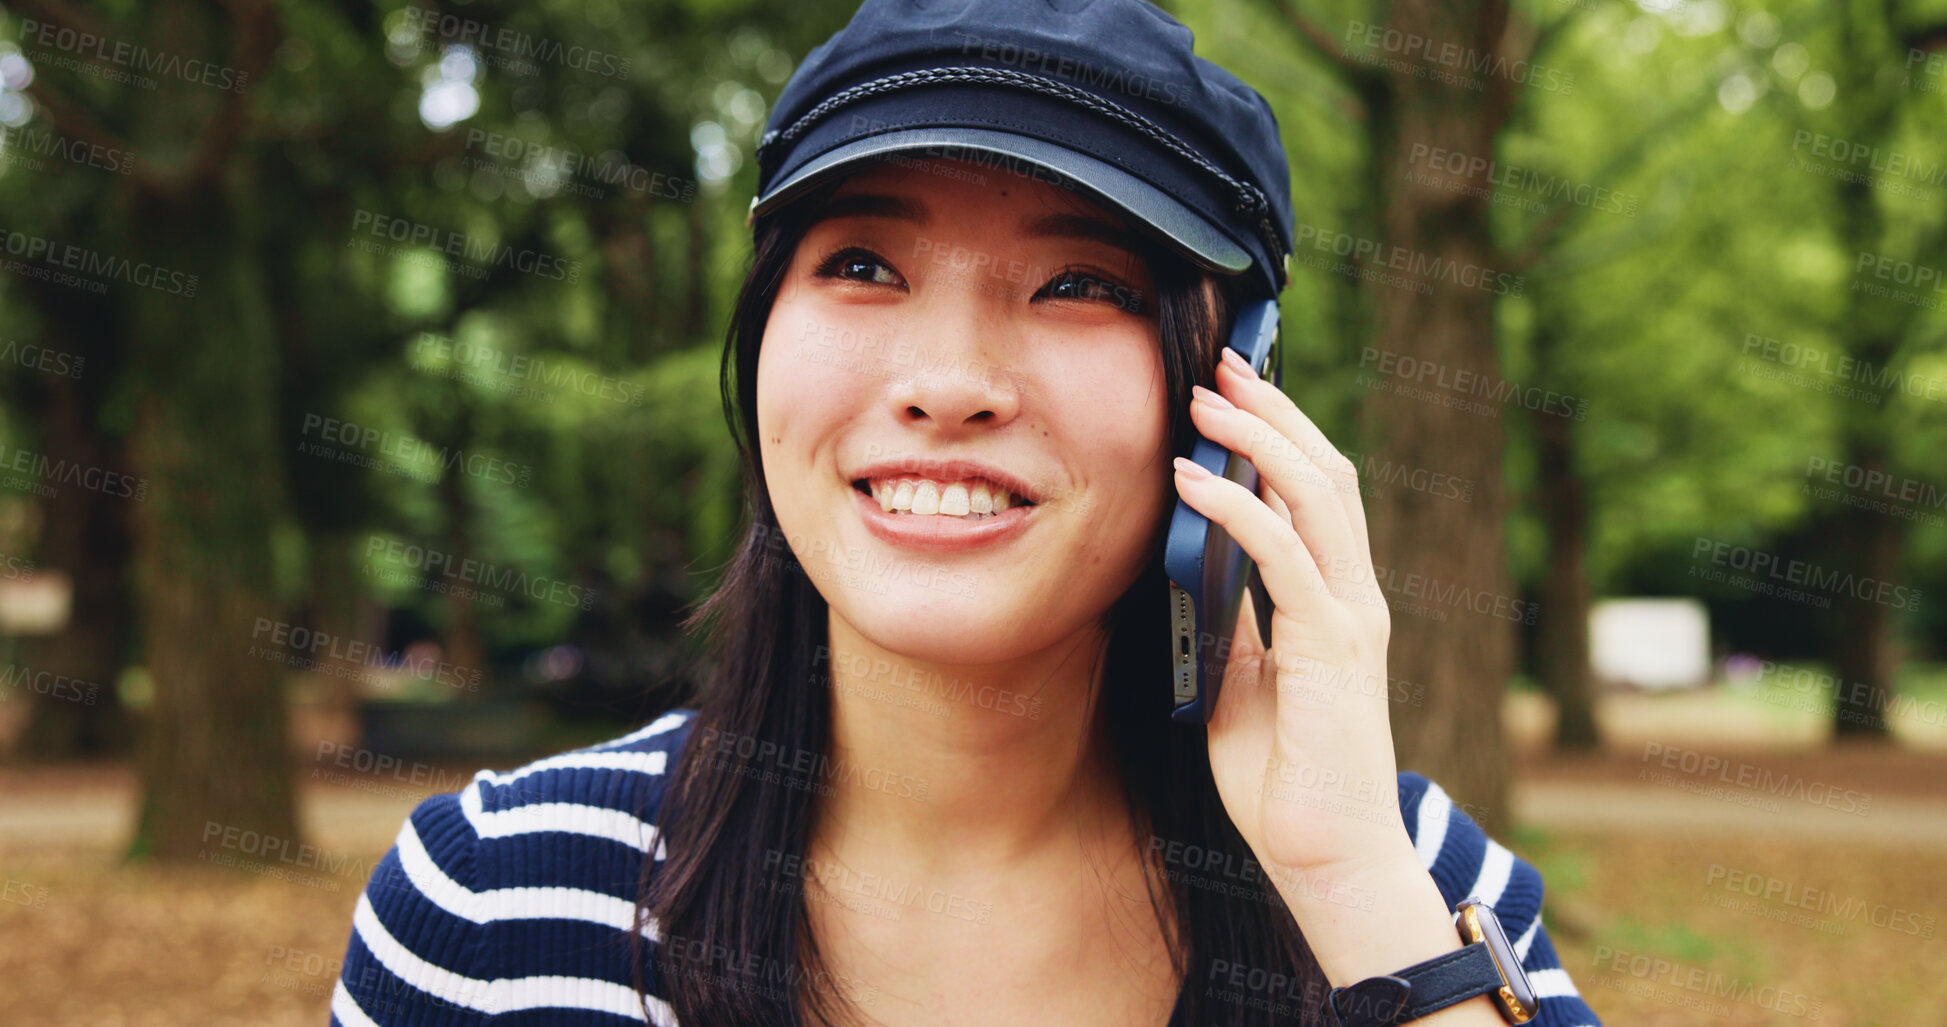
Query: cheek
(1116, 418)
(811, 378)
(790, 367)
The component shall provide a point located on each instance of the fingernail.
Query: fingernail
(1211, 397)
(1237, 363)
(1190, 468)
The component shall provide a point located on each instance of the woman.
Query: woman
(933, 779)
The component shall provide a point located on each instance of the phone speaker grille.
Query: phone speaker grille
(1183, 650)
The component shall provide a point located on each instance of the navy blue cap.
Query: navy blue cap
(1102, 96)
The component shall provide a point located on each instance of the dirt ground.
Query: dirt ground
(1675, 897)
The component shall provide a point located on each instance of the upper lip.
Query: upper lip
(946, 471)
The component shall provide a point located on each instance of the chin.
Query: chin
(937, 631)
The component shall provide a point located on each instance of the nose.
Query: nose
(955, 383)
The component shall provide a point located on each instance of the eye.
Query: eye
(1081, 285)
(852, 263)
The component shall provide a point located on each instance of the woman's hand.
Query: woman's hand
(1300, 743)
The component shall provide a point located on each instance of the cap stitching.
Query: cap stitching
(1250, 199)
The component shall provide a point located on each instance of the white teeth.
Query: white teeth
(920, 497)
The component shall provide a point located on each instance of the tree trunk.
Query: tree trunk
(216, 753)
(1562, 624)
(85, 536)
(337, 608)
(1433, 549)
(84, 531)
(462, 636)
(1866, 543)
(214, 765)
(1864, 657)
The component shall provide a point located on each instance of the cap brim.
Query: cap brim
(1173, 222)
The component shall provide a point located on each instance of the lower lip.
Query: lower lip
(936, 534)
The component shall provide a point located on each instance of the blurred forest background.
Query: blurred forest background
(324, 435)
(358, 369)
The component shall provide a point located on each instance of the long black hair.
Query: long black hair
(736, 944)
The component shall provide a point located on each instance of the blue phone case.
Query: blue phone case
(1208, 570)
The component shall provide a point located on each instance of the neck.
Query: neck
(961, 767)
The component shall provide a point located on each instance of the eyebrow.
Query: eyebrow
(1087, 229)
(871, 205)
(1046, 226)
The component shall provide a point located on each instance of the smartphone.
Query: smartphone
(1208, 570)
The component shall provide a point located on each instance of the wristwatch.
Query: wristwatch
(1484, 966)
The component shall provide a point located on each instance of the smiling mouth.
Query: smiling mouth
(972, 499)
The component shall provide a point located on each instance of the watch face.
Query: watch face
(1515, 997)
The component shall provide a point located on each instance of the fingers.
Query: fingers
(1298, 590)
(1243, 699)
(1270, 495)
(1277, 410)
(1309, 494)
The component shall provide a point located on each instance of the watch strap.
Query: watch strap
(1407, 995)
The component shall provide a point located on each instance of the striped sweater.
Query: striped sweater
(510, 902)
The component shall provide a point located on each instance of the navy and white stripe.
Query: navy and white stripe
(511, 902)
(1465, 862)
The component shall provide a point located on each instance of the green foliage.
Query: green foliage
(1696, 114)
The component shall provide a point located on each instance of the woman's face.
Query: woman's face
(937, 312)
